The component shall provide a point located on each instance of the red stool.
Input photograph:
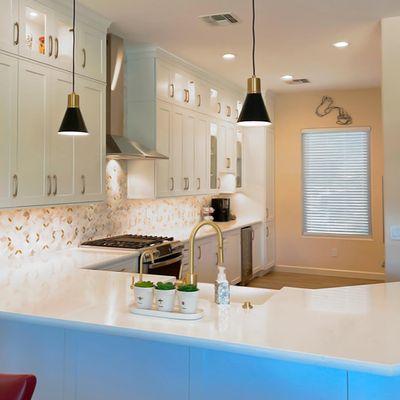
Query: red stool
(17, 387)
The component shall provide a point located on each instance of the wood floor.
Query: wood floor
(277, 280)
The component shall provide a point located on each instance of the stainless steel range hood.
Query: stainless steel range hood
(118, 146)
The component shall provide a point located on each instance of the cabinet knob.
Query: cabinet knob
(219, 108)
(228, 111)
(199, 255)
(187, 95)
(172, 187)
(228, 162)
(199, 100)
(171, 90)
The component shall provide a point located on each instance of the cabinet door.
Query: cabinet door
(176, 150)
(201, 154)
(33, 117)
(232, 256)
(8, 127)
(202, 97)
(188, 152)
(165, 180)
(258, 247)
(9, 26)
(62, 36)
(165, 88)
(36, 40)
(222, 163)
(213, 168)
(90, 150)
(270, 244)
(206, 260)
(230, 141)
(91, 50)
(60, 171)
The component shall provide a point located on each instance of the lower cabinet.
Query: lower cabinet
(206, 259)
(232, 242)
(258, 248)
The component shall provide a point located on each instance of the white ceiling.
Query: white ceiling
(293, 37)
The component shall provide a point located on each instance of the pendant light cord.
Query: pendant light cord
(254, 40)
(73, 47)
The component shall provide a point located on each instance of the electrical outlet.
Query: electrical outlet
(334, 252)
(395, 232)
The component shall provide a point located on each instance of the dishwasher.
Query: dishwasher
(247, 237)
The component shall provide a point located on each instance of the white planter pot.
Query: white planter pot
(165, 299)
(188, 302)
(144, 297)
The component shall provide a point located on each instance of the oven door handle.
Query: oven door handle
(165, 263)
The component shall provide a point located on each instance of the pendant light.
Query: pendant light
(73, 123)
(253, 111)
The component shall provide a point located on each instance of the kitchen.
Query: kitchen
(104, 196)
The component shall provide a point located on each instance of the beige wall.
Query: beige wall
(293, 113)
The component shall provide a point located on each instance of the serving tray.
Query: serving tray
(175, 314)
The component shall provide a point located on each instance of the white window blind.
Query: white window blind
(336, 182)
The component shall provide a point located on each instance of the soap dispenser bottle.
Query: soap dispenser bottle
(222, 290)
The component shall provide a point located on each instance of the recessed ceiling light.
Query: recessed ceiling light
(287, 78)
(228, 56)
(340, 45)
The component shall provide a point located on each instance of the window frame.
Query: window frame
(368, 236)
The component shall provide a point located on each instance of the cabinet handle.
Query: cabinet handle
(199, 256)
(267, 212)
(83, 179)
(171, 90)
(228, 162)
(172, 187)
(228, 111)
(15, 184)
(48, 185)
(50, 46)
(219, 108)
(187, 95)
(219, 183)
(267, 231)
(186, 183)
(199, 100)
(16, 33)
(252, 235)
(216, 256)
(84, 58)
(56, 48)
(198, 183)
(55, 185)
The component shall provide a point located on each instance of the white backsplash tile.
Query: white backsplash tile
(29, 231)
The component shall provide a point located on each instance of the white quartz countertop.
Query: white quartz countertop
(354, 328)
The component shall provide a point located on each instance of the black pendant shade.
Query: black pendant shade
(73, 123)
(253, 111)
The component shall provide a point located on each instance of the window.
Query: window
(336, 182)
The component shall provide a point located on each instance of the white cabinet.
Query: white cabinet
(270, 176)
(189, 126)
(206, 259)
(178, 116)
(60, 149)
(227, 141)
(258, 247)
(9, 26)
(90, 150)
(201, 154)
(270, 244)
(91, 52)
(61, 28)
(232, 250)
(8, 128)
(33, 117)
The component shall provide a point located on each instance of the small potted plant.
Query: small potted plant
(144, 294)
(188, 296)
(165, 296)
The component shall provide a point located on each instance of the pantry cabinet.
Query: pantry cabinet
(8, 128)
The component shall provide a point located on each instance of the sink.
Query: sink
(239, 294)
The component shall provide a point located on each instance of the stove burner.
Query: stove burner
(129, 241)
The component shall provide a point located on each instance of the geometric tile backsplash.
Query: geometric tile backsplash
(28, 231)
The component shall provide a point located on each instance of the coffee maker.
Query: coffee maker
(222, 209)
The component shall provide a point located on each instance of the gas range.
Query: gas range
(168, 254)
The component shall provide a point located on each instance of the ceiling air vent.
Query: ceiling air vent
(300, 81)
(220, 19)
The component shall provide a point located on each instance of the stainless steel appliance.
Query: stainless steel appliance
(168, 254)
(222, 209)
(247, 237)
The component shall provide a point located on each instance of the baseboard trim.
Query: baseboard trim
(260, 271)
(330, 272)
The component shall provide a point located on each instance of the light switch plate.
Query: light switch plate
(395, 232)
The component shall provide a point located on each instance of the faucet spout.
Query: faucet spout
(191, 277)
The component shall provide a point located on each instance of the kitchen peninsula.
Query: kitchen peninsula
(57, 315)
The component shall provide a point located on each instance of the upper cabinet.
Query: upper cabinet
(174, 108)
(9, 26)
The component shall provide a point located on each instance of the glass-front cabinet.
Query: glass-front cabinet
(62, 52)
(214, 179)
(239, 161)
